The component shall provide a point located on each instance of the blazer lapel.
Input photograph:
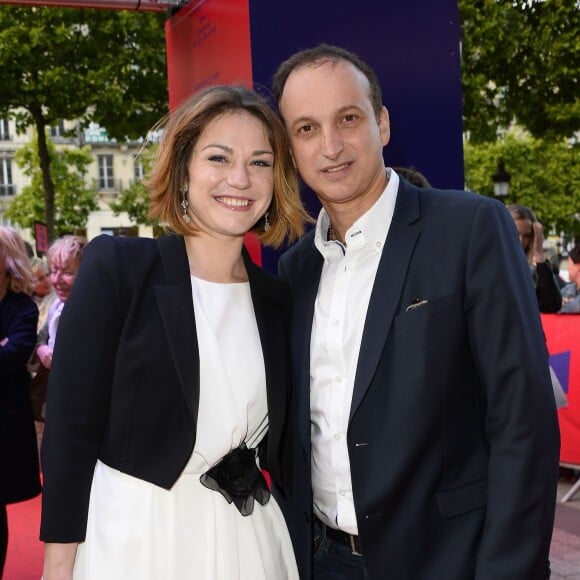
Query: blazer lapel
(176, 307)
(310, 269)
(400, 243)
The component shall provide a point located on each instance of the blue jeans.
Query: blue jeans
(335, 561)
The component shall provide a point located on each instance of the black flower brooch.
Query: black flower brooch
(237, 477)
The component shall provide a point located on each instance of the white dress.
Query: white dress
(139, 531)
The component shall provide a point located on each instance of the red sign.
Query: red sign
(563, 338)
(208, 43)
(41, 238)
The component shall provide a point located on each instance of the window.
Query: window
(4, 130)
(6, 185)
(105, 171)
(139, 171)
(57, 131)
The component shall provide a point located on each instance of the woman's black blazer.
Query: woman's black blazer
(124, 384)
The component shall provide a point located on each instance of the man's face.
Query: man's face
(337, 141)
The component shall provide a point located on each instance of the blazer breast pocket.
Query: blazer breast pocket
(424, 309)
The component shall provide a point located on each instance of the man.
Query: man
(426, 436)
(571, 292)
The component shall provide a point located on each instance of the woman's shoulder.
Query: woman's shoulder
(114, 248)
(19, 300)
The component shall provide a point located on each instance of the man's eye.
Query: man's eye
(305, 129)
(349, 118)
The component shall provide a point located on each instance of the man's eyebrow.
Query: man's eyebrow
(340, 111)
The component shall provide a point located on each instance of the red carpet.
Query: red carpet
(24, 559)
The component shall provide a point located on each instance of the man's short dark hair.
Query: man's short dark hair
(325, 53)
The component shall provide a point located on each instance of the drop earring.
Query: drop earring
(266, 221)
(184, 204)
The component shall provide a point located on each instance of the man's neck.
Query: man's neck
(343, 215)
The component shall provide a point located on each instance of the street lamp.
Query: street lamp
(501, 180)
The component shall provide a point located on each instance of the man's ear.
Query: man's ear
(384, 126)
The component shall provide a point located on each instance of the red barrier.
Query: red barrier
(563, 338)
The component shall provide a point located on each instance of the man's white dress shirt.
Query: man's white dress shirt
(346, 283)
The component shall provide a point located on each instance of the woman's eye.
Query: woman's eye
(217, 158)
(261, 163)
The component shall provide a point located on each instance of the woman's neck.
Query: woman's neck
(216, 259)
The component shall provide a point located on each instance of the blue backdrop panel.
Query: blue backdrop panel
(414, 46)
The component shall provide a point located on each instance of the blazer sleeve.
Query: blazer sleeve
(19, 332)
(547, 291)
(79, 391)
(519, 419)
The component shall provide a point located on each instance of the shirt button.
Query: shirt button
(335, 322)
(339, 379)
(338, 436)
(379, 244)
(342, 492)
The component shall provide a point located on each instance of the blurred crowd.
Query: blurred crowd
(33, 292)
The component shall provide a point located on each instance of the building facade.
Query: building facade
(114, 167)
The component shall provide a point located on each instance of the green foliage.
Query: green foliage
(93, 65)
(134, 200)
(73, 200)
(521, 63)
(545, 176)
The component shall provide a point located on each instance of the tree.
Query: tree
(135, 200)
(545, 176)
(521, 63)
(86, 65)
(73, 200)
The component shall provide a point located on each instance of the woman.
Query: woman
(20, 478)
(43, 293)
(64, 258)
(531, 235)
(171, 364)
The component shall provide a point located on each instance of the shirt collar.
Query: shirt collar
(372, 227)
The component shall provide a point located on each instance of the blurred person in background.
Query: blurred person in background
(571, 292)
(64, 258)
(531, 233)
(20, 479)
(43, 294)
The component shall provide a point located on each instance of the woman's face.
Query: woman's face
(62, 276)
(525, 232)
(231, 175)
(43, 285)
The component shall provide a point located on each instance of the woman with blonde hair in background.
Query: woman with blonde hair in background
(18, 318)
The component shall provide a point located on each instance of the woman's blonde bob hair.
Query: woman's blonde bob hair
(18, 270)
(181, 131)
(67, 250)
